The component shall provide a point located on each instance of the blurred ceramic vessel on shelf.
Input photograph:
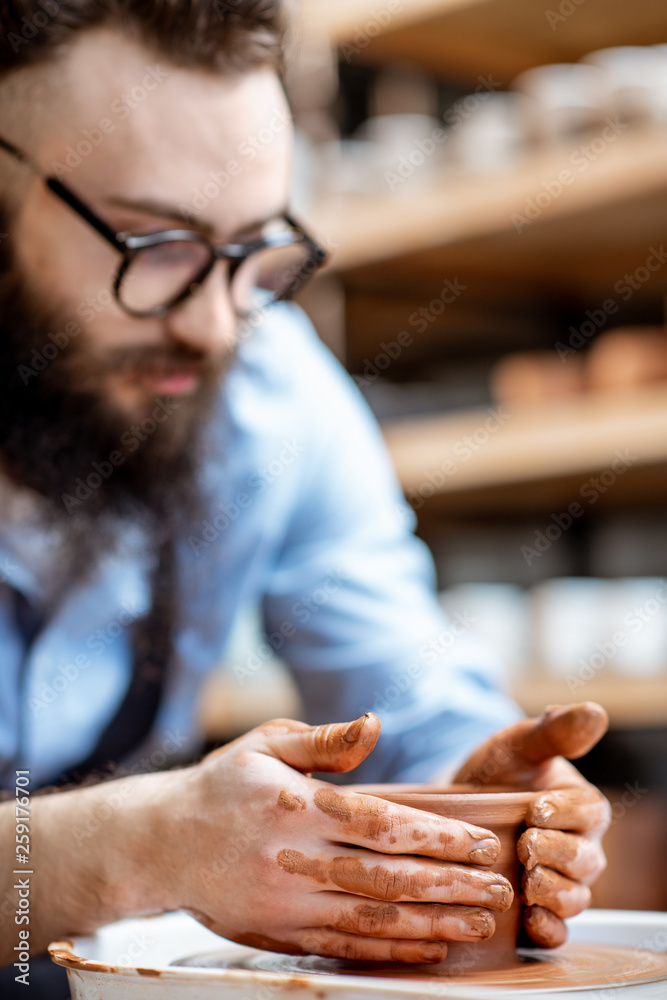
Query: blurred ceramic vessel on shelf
(490, 133)
(627, 356)
(568, 100)
(634, 79)
(533, 377)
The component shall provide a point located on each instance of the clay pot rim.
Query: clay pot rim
(501, 793)
(491, 807)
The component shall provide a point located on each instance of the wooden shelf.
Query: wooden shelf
(466, 38)
(586, 237)
(569, 441)
(339, 21)
(632, 702)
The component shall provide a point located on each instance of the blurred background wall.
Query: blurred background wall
(490, 177)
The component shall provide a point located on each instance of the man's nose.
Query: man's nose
(206, 320)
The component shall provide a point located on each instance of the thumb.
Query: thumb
(563, 730)
(515, 754)
(336, 747)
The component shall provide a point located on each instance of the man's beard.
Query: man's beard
(95, 465)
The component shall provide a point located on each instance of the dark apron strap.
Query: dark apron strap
(152, 652)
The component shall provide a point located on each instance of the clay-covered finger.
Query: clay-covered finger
(582, 808)
(412, 921)
(377, 876)
(561, 895)
(516, 754)
(368, 821)
(568, 853)
(543, 927)
(334, 747)
(357, 948)
(563, 730)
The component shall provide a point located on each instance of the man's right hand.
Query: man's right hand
(327, 871)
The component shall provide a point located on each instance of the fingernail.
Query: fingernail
(500, 894)
(481, 924)
(525, 851)
(543, 810)
(433, 951)
(485, 851)
(353, 731)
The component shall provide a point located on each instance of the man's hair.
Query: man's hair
(216, 35)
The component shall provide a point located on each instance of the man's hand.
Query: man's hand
(325, 870)
(561, 849)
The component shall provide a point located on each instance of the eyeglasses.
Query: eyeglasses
(160, 270)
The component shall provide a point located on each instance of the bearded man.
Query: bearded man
(152, 371)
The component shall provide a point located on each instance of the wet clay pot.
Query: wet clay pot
(503, 812)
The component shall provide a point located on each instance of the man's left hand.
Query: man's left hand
(561, 850)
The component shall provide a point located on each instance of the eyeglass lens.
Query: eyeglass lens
(158, 275)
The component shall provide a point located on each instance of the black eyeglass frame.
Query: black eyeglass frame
(129, 244)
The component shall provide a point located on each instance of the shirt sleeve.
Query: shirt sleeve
(353, 590)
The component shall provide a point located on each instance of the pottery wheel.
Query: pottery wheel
(573, 966)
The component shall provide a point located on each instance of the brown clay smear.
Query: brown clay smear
(333, 804)
(345, 744)
(371, 817)
(378, 882)
(291, 801)
(381, 883)
(364, 816)
(296, 863)
(372, 921)
(353, 876)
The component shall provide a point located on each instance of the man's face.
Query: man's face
(146, 146)
(144, 143)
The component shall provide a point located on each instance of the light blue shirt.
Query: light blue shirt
(307, 522)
